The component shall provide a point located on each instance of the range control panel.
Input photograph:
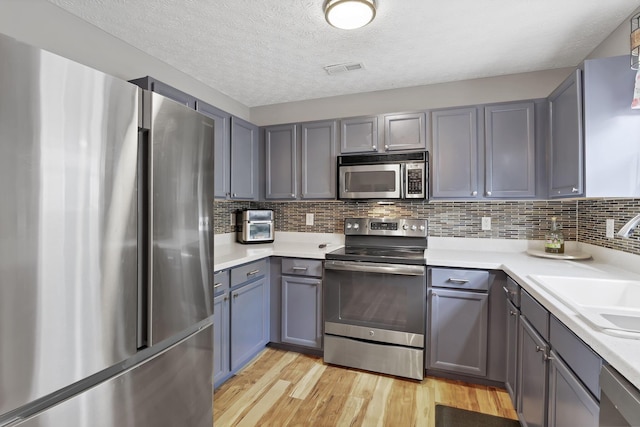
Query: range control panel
(386, 227)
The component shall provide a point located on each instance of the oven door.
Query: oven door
(375, 302)
(383, 181)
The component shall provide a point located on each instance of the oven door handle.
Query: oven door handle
(368, 267)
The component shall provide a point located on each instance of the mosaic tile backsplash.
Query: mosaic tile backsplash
(582, 220)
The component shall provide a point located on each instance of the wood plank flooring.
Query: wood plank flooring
(280, 388)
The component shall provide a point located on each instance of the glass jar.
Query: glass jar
(554, 240)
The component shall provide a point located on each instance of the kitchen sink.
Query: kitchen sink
(609, 305)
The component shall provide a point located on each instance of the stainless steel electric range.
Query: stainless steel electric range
(375, 297)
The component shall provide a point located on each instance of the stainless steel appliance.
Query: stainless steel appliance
(384, 176)
(619, 400)
(375, 297)
(254, 226)
(106, 249)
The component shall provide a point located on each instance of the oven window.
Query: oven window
(370, 181)
(376, 300)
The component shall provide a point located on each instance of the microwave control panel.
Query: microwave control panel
(415, 180)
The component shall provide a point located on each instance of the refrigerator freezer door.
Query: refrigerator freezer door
(68, 227)
(172, 389)
(182, 210)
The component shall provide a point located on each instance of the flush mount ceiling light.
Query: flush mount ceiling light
(349, 14)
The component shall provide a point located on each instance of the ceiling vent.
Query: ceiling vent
(343, 68)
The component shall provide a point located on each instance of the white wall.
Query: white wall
(45, 25)
(512, 87)
(617, 43)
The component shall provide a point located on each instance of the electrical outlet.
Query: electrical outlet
(233, 219)
(486, 223)
(309, 219)
(610, 228)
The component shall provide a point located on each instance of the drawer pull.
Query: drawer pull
(299, 268)
(512, 313)
(217, 285)
(253, 273)
(457, 281)
(507, 291)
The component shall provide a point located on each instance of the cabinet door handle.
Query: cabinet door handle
(235, 194)
(457, 281)
(507, 291)
(374, 148)
(512, 313)
(217, 285)
(574, 190)
(235, 296)
(300, 268)
(434, 294)
(386, 148)
(538, 348)
(474, 193)
(253, 273)
(488, 193)
(225, 299)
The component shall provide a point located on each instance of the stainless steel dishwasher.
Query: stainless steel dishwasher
(619, 400)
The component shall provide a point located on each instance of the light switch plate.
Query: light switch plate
(610, 228)
(486, 223)
(309, 219)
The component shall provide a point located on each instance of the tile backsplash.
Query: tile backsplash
(582, 220)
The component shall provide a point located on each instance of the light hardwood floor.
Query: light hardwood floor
(281, 388)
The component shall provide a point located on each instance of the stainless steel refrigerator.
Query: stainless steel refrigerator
(106, 199)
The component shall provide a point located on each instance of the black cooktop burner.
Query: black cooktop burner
(413, 256)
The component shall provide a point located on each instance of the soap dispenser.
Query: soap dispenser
(554, 240)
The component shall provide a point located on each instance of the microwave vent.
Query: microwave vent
(343, 68)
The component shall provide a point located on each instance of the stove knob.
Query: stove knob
(414, 228)
(422, 228)
(348, 225)
(356, 226)
(405, 227)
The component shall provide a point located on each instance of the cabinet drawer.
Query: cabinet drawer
(581, 359)
(537, 315)
(302, 267)
(247, 272)
(220, 282)
(513, 291)
(460, 279)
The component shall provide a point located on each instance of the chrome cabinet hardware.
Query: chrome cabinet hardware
(300, 268)
(217, 285)
(253, 273)
(458, 281)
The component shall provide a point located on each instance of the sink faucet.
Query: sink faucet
(629, 227)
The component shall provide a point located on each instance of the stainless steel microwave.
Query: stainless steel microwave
(384, 176)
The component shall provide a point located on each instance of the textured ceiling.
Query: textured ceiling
(268, 52)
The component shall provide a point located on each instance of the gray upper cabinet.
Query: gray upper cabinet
(405, 131)
(510, 150)
(244, 160)
(281, 162)
(611, 129)
(300, 161)
(566, 143)
(455, 153)
(319, 144)
(222, 147)
(359, 135)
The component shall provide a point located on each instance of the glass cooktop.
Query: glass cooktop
(413, 256)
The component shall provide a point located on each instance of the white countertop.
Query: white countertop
(507, 255)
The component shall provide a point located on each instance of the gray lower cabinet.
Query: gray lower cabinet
(302, 311)
(454, 165)
(570, 403)
(532, 376)
(301, 302)
(459, 326)
(221, 350)
(244, 160)
(511, 381)
(249, 321)
(222, 158)
(510, 150)
(566, 143)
